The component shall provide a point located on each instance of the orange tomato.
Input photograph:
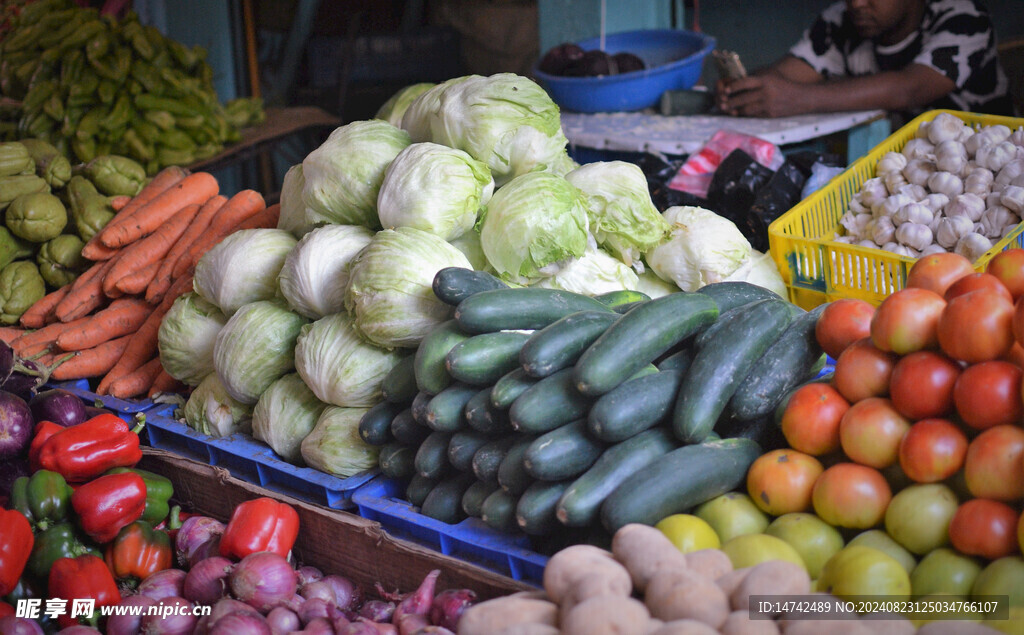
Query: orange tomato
(932, 450)
(994, 467)
(781, 481)
(870, 432)
(985, 528)
(842, 323)
(936, 272)
(810, 421)
(1008, 266)
(977, 326)
(863, 371)
(851, 495)
(974, 282)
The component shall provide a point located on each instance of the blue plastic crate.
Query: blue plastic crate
(470, 540)
(252, 461)
(80, 387)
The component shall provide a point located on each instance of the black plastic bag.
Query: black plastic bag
(733, 188)
(778, 195)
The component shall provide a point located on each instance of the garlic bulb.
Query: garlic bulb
(979, 181)
(867, 243)
(900, 250)
(970, 205)
(918, 171)
(933, 248)
(1012, 197)
(854, 224)
(945, 183)
(995, 219)
(1017, 137)
(973, 246)
(950, 156)
(894, 181)
(995, 156)
(857, 207)
(993, 198)
(919, 149)
(951, 229)
(891, 162)
(914, 235)
(1007, 174)
(934, 224)
(945, 127)
(882, 230)
(913, 213)
(936, 202)
(891, 205)
(922, 130)
(916, 192)
(965, 133)
(873, 192)
(847, 240)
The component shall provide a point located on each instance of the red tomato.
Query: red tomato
(1008, 266)
(994, 466)
(851, 495)
(985, 528)
(932, 450)
(842, 323)
(1016, 354)
(907, 321)
(810, 422)
(1018, 321)
(974, 282)
(989, 394)
(781, 481)
(922, 385)
(977, 326)
(863, 371)
(870, 432)
(936, 272)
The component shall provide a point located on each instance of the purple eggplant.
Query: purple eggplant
(7, 359)
(59, 406)
(29, 375)
(16, 425)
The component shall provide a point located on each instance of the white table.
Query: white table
(645, 132)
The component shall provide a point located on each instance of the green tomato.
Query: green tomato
(731, 515)
(944, 571)
(878, 539)
(918, 517)
(859, 570)
(1004, 576)
(753, 549)
(815, 540)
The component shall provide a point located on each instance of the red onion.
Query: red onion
(283, 621)
(202, 626)
(321, 590)
(240, 624)
(208, 549)
(308, 574)
(359, 628)
(79, 629)
(125, 624)
(11, 625)
(295, 603)
(207, 580)
(163, 584)
(377, 610)
(449, 605)
(318, 626)
(417, 603)
(437, 630)
(339, 620)
(410, 623)
(228, 606)
(263, 580)
(346, 594)
(314, 608)
(193, 532)
(175, 618)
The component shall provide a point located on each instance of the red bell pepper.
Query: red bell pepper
(6, 610)
(261, 524)
(85, 577)
(138, 551)
(108, 503)
(16, 541)
(85, 451)
(43, 431)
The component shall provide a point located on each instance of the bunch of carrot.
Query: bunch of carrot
(106, 322)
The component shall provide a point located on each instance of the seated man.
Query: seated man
(898, 55)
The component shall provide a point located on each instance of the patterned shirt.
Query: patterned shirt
(955, 38)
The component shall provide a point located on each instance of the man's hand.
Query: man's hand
(766, 95)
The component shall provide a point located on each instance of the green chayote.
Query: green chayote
(52, 166)
(116, 175)
(13, 248)
(90, 210)
(60, 260)
(36, 217)
(21, 286)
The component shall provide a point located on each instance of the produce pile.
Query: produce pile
(542, 409)
(950, 188)
(94, 85)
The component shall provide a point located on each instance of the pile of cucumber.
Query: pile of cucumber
(540, 409)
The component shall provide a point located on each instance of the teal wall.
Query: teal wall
(573, 20)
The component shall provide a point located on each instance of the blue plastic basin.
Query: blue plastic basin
(674, 62)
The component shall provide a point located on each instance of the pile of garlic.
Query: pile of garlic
(951, 188)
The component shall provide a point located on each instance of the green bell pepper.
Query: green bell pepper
(43, 498)
(59, 541)
(158, 493)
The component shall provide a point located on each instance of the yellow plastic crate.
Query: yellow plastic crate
(817, 269)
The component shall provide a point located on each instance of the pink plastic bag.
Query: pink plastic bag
(694, 177)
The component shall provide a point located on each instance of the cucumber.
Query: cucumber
(432, 456)
(499, 510)
(483, 359)
(581, 502)
(508, 388)
(626, 308)
(722, 364)
(563, 453)
(559, 344)
(634, 406)
(462, 447)
(520, 309)
(679, 360)
(418, 488)
(444, 411)
(452, 285)
(488, 458)
(512, 474)
(551, 403)
(444, 502)
(733, 293)
(679, 481)
(429, 361)
(418, 407)
(399, 385)
(640, 337)
(535, 510)
(375, 425)
(476, 494)
(763, 429)
(621, 297)
(723, 323)
(483, 417)
(406, 430)
(397, 461)
(784, 365)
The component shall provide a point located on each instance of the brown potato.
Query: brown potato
(739, 623)
(494, 615)
(774, 577)
(606, 615)
(687, 595)
(664, 581)
(893, 624)
(831, 627)
(731, 580)
(653, 624)
(529, 628)
(711, 563)
(955, 627)
(585, 571)
(685, 627)
(644, 550)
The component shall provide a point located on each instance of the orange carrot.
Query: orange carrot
(92, 362)
(97, 251)
(136, 382)
(32, 342)
(267, 219)
(235, 211)
(165, 383)
(84, 298)
(122, 317)
(149, 250)
(143, 344)
(37, 314)
(118, 202)
(164, 276)
(193, 189)
(164, 179)
(137, 281)
(10, 333)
